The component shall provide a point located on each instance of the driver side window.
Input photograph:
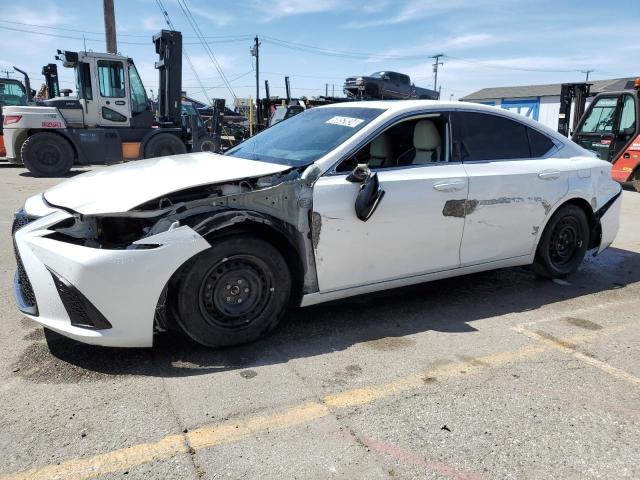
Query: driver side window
(412, 142)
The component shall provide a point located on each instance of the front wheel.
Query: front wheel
(564, 243)
(234, 292)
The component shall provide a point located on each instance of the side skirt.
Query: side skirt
(320, 297)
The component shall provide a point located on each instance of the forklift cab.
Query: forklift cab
(282, 112)
(12, 92)
(110, 92)
(610, 129)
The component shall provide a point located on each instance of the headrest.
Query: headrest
(426, 136)
(380, 147)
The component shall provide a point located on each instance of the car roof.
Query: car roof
(395, 107)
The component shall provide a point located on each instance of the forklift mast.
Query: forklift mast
(50, 73)
(169, 49)
(569, 92)
(287, 88)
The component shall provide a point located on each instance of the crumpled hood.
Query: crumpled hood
(119, 188)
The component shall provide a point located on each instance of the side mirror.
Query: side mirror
(370, 193)
(359, 174)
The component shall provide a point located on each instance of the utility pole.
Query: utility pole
(587, 72)
(255, 51)
(326, 89)
(110, 26)
(435, 70)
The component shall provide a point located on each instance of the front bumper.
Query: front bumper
(123, 286)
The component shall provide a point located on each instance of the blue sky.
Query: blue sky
(486, 42)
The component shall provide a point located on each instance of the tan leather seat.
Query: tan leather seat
(380, 152)
(427, 142)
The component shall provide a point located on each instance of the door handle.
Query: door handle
(120, 102)
(549, 175)
(450, 185)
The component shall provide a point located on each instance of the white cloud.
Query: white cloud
(419, 9)
(48, 16)
(155, 22)
(272, 9)
(432, 46)
(216, 16)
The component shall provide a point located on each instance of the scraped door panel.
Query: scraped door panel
(508, 203)
(407, 235)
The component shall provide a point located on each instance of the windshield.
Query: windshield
(600, 118)
(377, 74)
(306, 137)
(12, 93)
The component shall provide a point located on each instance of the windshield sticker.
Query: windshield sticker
(345, 121)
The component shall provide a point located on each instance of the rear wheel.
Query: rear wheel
(563, 244)
(47, 154)
(164, 144)
(234, 292)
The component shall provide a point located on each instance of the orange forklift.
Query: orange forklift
(610, 128)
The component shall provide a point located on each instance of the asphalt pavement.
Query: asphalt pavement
(492, 375)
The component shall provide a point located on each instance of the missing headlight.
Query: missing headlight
(110, 232)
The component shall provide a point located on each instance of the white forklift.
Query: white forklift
(111, 119)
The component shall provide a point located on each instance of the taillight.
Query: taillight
(9, 119)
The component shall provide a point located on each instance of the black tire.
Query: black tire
(564, 243)
(164, 144)
(234, 292)
(47, 154)
(208, 144)
(636, 180)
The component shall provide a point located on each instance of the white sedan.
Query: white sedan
(337, 201)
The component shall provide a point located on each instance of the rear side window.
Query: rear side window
(540, 144)
(481, 136)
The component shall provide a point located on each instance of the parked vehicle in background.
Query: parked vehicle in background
(336, 201)
(111, 119)
(12, 93)
(610, 128)
(386, 85)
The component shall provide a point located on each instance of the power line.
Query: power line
(184, 51)
(196, 28)
(238, 37)
(288, 45)
(96, 40)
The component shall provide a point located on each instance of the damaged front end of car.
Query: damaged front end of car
(277, 208)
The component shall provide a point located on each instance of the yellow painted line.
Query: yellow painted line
(234, 430)
(107, 462)
(570, 348)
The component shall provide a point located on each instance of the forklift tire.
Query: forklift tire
(208, 145)
(47, 154)
(636, 180)
(163, 145)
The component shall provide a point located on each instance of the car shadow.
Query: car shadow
(28, 174)
(69, 174)
(450, 305)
